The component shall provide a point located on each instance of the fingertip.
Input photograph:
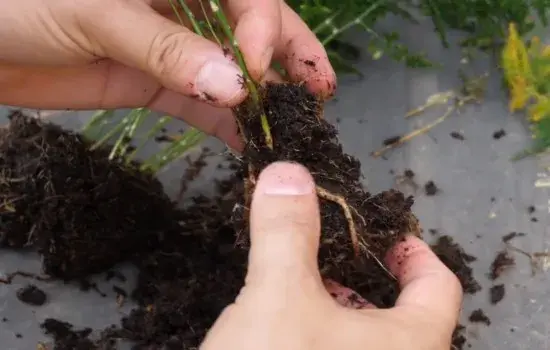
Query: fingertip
(424, 280)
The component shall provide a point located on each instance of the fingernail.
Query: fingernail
(218, 79)
(266, 59)
(285, 179)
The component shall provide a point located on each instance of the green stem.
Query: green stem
(154, 130)
(175, 9)
(217, 10)
(191, 17)
(355, 21)
(209, 24)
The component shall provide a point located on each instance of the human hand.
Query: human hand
(89, 54)
(285, 304)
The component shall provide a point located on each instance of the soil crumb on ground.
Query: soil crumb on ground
(430, 188)
(32, 295)
(502, 262)
(478, 316)
(497, 135)
(391, 140)
(531, 209)
(508, 237)
(458, 340)
(457, 260)
(496, 293)
(458, 136)
(408, 173)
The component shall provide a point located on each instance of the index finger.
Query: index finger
(427, 285)
(258, 29)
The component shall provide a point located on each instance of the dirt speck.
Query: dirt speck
(431, 188)
(502, 262)
(478, 316)
(32, 295)
(497, 135)
(508, 237)
(496, 293)
(391, 140)
(458, 136)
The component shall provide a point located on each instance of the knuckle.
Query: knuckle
(166, 53)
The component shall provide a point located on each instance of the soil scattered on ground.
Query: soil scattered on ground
(531, 209)
(458, 136)
(183, 255)
(430, 188)
(496, 293)
(457, 260)
(32, 295)
(508, 237)
(502, 262)
(497, 135)
(408, 173)
(391, 140)
(478, 316)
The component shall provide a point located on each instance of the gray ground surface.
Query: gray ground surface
(468, 173)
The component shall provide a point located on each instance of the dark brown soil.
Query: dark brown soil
(408, 173)
(478, 316)
(82, 212)
(430, 188)
(458, 340)
(300, 134)
(508, 237)
(458, 136)
(531, 209)
(496, 293)
(502, 262)
(190, 267)
(497, 135)
(457, 260)
(32, 295)
(391, 140)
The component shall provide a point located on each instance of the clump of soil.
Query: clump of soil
(458, 136)
(358, 227)
(430, 188)
(32, 295)
(502, 262)
(478, 316)
(408, 173)
(496, 293)
(66, 338)
(457, 260)
(497, 135)
(391, 140)
(82, 212)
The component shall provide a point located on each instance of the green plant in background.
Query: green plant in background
(526, 68)
(484, 21)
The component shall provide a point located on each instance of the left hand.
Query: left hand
(106, 54)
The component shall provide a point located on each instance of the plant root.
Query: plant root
(321, 192)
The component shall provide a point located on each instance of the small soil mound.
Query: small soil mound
(32, 295)
(478, 316)
(82, 212)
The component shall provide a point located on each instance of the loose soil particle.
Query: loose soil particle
(32, 295)
(430, 188)
(502, 262)
(496, 293)
(497, 135)
(458, 136)
(457, 260)
(391, 140)
(408, 173)
(478, 316)
(508, 237)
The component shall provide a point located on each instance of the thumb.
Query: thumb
(285, 233)
(132, 33)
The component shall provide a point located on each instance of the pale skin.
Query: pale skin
(89, 54)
